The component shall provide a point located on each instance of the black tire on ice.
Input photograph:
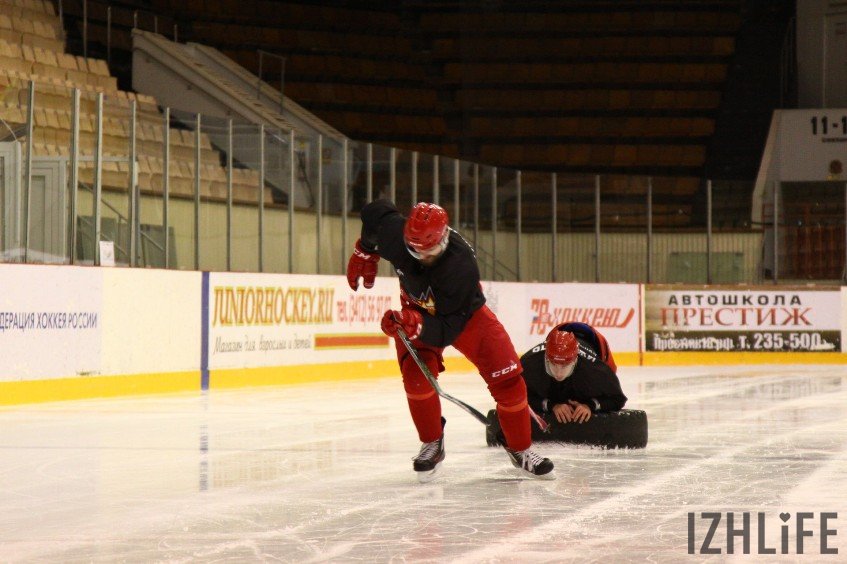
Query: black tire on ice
(626, 428)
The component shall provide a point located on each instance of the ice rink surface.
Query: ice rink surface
(323, 473)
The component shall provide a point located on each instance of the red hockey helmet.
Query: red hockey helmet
(562, 352)
(426, 232)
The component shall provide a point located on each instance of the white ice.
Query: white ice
(323, 472)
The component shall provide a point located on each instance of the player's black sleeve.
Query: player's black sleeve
(375, 215)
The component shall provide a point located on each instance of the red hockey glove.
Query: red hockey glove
(410, 320)
(361, 264)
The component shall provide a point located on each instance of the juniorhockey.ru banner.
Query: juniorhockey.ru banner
(260, 320)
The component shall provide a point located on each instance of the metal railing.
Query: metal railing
(524, 225)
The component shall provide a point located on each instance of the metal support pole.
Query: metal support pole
(369, 173)
(135, 19)
(650, 230)
(292, 193)
(166, 183)
(475, 205)
(134, 204)
(319, 204)
(197, 161)
(261, 196)
(554, 220)
(494, 223)
(708, 232)
(457, 206)
(392, 174)
(597, 228)
(30, 130)
(229, 196)
(435, 180)
(98, 178)
(776, 232)
(518, 219)
(74, 172)
(414, 178)
(344, 181)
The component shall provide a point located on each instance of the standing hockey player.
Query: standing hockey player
(572, 374)
(442, 304)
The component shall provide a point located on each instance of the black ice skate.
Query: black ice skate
(532, 464)
(428, 461)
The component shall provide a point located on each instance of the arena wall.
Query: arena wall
(69, 332)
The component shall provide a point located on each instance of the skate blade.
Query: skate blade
(429, 475)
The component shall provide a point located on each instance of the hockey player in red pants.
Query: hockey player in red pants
(442, 305)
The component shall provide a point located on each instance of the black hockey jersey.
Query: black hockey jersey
(592, 382)
(448, 291)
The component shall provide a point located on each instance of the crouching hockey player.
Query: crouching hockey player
(442, 305)
(572, 374)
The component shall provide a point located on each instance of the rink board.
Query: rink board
(69, 332)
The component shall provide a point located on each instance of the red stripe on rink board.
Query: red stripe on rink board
(350, 341)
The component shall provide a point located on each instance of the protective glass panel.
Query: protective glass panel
(115, 208)
(406, 180)
(505, 250)
(575, 220)
(486, 239)
(245, 196)
(448, 188)
(150, 148)
(425, 178)
(13, 135)
(623, 228)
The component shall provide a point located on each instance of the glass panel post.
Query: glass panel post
(291, 199)
(435, 181)
(650, 230)
(166, 176)
(554, 216)
(98, 179)
(261, 201)
(494, 223)
(457, 200)
(518, 217)
(319, 206)
(30, 129)
(74, 174)
(229, 196)
(344, 183)
(708, 232)
(597, 228)
(197, 186)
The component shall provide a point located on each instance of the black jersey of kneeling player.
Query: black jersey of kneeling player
(448, 291)
(592, 379)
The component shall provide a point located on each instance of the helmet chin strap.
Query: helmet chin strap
(441, 246)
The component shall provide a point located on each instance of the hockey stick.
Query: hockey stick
(431, 379)
(434, 382)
